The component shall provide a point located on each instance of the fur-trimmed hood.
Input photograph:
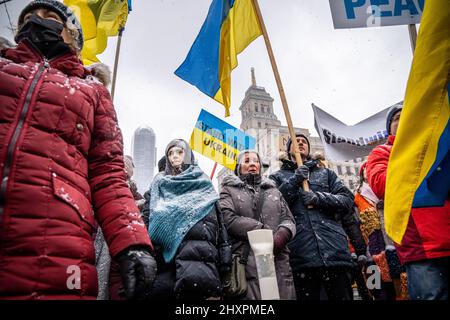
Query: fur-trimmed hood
(234, 181)
(102, 72)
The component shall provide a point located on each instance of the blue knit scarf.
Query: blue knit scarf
(177, 203)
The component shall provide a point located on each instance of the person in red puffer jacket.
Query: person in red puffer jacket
(61, 160)
(425, 248)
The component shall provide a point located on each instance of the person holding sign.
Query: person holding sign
(250, 202)
(319, 251)
(190, 243)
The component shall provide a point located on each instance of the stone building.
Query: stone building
(260, 121)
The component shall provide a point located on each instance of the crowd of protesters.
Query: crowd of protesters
(73, 225)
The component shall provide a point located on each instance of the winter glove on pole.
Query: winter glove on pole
(309, 197)
(301, 174)
(280, 239)
(138, 271)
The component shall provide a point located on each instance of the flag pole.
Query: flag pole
(213, 171)
(276, 73)
(116, 63)
(412, 36)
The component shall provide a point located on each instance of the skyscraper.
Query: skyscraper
(144, 157)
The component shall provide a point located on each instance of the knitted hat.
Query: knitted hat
(288, 145)
(390, 115)
(63, 12)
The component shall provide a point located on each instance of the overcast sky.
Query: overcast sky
(350, 73)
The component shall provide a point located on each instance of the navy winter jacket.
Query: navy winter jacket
(320, 240)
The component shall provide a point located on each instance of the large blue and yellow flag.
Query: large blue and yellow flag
(231, 25)
(99, 20)
(419, 167)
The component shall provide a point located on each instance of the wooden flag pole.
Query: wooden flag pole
(287, 114)
(116, 63)
(412, 36)
(213, 171)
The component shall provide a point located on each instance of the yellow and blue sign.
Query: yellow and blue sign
(218, 140)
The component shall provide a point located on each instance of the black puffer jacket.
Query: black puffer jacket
(202, 257)
(320, 240)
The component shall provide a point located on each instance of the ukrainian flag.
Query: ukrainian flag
(99, 20)
(231, 25)
(418, 173)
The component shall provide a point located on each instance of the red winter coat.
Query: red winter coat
(61, 160)
(427, 235)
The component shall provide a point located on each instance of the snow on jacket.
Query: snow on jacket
(427, 234)
(61, 156)
(320, 240)
(239, 205)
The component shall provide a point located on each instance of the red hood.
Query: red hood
(68, 63)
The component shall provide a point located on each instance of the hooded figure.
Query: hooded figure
(319, 252)
(61, 158)
(250, 202)
(183, 222)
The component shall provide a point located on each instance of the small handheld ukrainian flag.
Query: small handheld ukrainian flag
(231, 25)
(99, 20)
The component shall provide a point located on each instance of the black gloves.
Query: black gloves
(309, 197)
(301, 174)
(362, 260)
(359, 260)
(280, 239)
(138, 271)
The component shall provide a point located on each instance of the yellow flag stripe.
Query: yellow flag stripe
(99, 20)
(238, 30)
(213, 148)
(424, 117)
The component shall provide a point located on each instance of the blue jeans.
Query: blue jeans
(428, 279)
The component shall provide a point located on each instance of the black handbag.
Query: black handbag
(235, 282)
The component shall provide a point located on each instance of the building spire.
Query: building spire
(253, 77)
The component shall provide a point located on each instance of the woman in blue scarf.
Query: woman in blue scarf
(183, 220)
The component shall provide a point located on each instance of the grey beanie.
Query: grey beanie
(391, 113)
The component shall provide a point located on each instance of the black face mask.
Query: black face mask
(45, 35)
